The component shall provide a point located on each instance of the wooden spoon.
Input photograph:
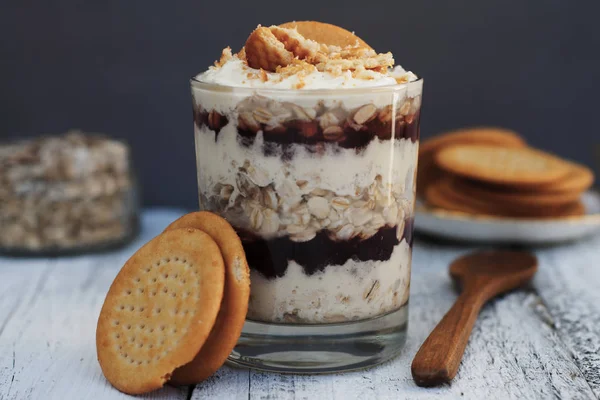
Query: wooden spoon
(483, 275)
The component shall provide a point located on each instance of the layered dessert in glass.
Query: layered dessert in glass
(309, 149)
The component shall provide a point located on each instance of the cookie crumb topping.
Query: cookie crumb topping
(275, 54)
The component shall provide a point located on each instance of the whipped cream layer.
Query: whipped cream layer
(340, 171)
(236, 73)
(349, 292)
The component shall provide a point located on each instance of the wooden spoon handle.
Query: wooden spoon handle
(438, 358)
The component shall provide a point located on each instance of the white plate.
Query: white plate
(476, 228)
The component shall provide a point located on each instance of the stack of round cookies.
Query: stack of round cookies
(492, 171)
(177, 307)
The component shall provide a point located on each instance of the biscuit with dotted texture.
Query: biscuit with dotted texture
(231, 317)
(160, 310)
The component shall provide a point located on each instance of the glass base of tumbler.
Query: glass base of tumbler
(325, 348)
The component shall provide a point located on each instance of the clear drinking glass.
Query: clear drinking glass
(320, 186)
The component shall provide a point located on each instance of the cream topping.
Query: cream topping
(236, 73)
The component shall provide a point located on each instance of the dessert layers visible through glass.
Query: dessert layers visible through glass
(320, 185)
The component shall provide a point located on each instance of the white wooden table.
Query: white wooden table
(539, 343)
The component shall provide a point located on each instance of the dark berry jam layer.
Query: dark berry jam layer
(271, 257)
(212, 120)
(314, 134)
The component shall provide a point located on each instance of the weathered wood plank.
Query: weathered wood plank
(226, 383)
(17, 277)
(513, 353)
(18, 283)
(47, 347)
(569, 285)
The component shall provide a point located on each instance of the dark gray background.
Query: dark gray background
(122, 67)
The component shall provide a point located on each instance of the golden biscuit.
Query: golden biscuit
(443, 194)
(436, 197)
(264, 50)
(231, 317)
(428, 172)
(326, 33)
(475, 135)
(160, 310)
(502, 165)
(579, 179)
(301, 47)
(514, 199)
